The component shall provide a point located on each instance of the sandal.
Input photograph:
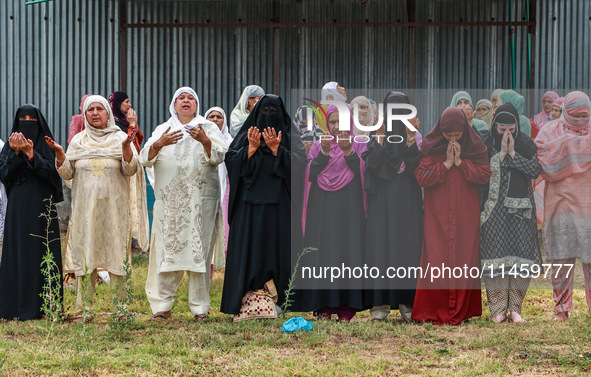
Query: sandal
(159, 316)
(200, 317)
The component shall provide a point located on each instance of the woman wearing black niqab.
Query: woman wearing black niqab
(394, 214)
(27, 169)
(261, 203)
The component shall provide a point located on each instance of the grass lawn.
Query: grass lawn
(182, 346)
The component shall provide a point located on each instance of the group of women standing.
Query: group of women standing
(455, 197)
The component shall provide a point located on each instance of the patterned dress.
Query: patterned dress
(508, 233)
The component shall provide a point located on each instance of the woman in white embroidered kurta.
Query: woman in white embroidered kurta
(99, 161)
(185, 153)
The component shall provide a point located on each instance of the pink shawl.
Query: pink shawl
(336, 174)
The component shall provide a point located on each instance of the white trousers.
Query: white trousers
(161, 289)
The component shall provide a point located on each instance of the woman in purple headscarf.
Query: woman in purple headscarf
(334, 216)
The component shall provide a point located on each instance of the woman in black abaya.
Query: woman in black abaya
(27, 169)
(259, 164)
(394, 213)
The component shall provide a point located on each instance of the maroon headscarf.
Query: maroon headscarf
(115, 100)
(454, 120)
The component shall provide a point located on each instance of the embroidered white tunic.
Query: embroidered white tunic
(187, 211)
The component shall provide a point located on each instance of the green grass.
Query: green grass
(182, 346)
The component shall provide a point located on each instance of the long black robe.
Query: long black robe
(394, 225)
(335, 226)
(394, 213)
(28, 184)
(260, 207)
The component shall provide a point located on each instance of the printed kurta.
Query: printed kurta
(99, 231)
(508, 240)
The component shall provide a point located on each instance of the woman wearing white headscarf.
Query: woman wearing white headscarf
(217, 115)
(184, 152)
(100, 162)
(332, 91)
(250, 95)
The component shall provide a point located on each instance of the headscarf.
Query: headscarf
(222, 171)
(240, 112)
(517, 100)
(36, 132)
(176, 125)
(558, 101)
(564, 145)
(517, 200)
(115, 100)
(77, 123)
(461, 95)
(495, 92)
(542, 117)
(261, 187)
(454, 120)
(576, 102)
(486, 117)
(394, 151)
(366, 117)
(331, 88)
(280, 121)
(478, 124)
(336, 174)
(94, 142)
(312, 132)
(211, 130)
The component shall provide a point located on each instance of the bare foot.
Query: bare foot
(499, 318)
(516, 318)
(561, 316)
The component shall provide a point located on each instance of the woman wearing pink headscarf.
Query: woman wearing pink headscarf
(546, 114)
(564, 151)
(557, 108)
(334, 216)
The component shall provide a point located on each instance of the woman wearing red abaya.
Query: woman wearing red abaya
(454, 163)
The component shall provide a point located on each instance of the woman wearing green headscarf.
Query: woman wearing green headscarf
(463, 101)
(517, 100)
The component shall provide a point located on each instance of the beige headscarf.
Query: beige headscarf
(94, 142)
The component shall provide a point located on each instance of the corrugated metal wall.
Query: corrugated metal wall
(53, 53)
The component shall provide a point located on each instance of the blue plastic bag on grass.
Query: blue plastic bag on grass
(295, 324)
